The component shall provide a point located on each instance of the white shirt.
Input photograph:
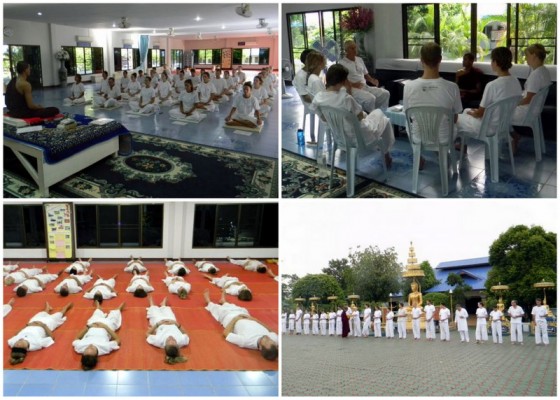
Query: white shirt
(499, 89)
(401, 314)
(164, 88)
(175, 266)
(204, 266)
(444, 315)
(100, 338)
(80, 266)
(24, 273)
(539, 312)
(367, 313)
(433, 92)
(220, 85)
(461, 319)
(246, 333)
(260, 94)
(481, 315)
(377, 316)
(104, 86)
(538, 79)
(175, 283)
(300, 82)
(36, 335)
(515, 314)
(356, 69)
(246, 106)
(205, 91)
(188, 99)
(496, 316)
(139, 281)
(227, 282)
(114, 92)
(390, 315)
(429, 310)
(77, 89)
(147, 94)
(124, 83)
(161, 334)
(315, 85)
(104, 290)
(133, 88)
(73, 286)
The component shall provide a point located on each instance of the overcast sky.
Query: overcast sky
(312, 232)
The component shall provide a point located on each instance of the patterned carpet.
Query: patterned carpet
(304, 178)
(159, 167)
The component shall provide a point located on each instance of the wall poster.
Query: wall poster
(59, 229)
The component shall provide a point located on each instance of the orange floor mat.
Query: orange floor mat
(207, 350)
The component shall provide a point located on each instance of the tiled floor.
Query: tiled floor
(210, 132)
(140, 383)
(531, 180)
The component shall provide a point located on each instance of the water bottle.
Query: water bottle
(300, 137)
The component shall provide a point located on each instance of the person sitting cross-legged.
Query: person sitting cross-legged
(99, 337)
(241, 329)
(165, 332)
(38, 333)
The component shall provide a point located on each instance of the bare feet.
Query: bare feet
(12, 301)
(163, 302)
(223, 297)
(48, 307)
(67, 308)
(206, 295)
(97, 305)
(89, 260)
(121, 307)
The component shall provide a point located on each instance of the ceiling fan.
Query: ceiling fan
(244, 10)
(124, 24)
(262, 23)
(171, 32)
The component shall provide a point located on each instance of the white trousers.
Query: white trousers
(416, 328)
(497, 331)
(113, 319)
(306, 327)
(68, 102)
(147, 109)
(390, 329)
(381, 96)
(315, 328)
(541, 332)
(401, 327)
(464, 336)
(377, 328)
(323, 328)
(157, 314)
(516, 332)
(444, 330)
(365, 328)
(430, 329)
(481, 331)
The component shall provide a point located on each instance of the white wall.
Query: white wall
(177, 240)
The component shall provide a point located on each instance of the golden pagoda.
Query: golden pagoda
(413, 269)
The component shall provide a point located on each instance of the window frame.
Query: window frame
(96, 59)
(24, 232)
(118, 53)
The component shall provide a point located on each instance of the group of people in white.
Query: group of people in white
(100, 337)
(347, 88)
(192, 93)
(330, 323)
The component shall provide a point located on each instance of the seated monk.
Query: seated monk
(19, 99)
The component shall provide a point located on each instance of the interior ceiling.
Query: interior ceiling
(216, 20)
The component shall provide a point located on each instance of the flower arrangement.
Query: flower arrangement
(62, 55)
(359, 19)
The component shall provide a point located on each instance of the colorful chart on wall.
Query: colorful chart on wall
(226, 59)
(59, 230)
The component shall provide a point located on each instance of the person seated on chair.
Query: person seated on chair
(140, 285)
(300, 79)
(176, 267)
(78, 267)
(369, 97)
(77, 92)
(177, 285)
(503, 87)
(35, 284)
(165, 332)
(135, 264)
(246, 110)
(432, 90)
(99, 337)
(38, 333)
(205, 266)
(19, 96)
(469, 80)
(338, 95)
(111, 97)
(241, 329)
(538, 79)
(102, 289)
(72, 284)
(22, 274)
(232, 286)
(146, 103)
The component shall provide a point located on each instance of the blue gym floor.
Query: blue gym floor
(140, 383)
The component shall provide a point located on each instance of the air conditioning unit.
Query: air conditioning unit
(82, 39)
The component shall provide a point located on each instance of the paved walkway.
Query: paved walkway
(332, 366)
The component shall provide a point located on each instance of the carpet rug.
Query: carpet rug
(207, 350)
(302, 177)
(159, 167)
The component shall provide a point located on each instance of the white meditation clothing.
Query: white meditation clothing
(367, 322)
(306, 323)
(516, 313)
(140, 281)
(323, 324)
(36, 335)
(175, 283)
(74, 283)
(147, 94)
(76, 94)
(300, 83)
(496, 317)
(538, 79)
(315, 324)
(284, 321)
(79, 266)
(158, 338)
(541, 326)
(389, 325)
(430, 310)
(299, 320)
(23, 274)
(292, 322)
(339, 322)
(205, 266)
(205, 91)
(356, 74)
(32, 284)
(245, 108)
(461, 317)
(175, 266)
(133, 264)
(444, 315)
(401, 323)
(416, 313)
(248, 264)
(315, 85)
(231, 284)
(99, 286)
(332, 323)
(99, 337)
(377, 323)
(481, 328)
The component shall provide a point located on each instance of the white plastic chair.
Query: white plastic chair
(307, 111)
(427, 121)
(533, 121)
(493, 132)
(349, 140)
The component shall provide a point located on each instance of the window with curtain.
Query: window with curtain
(119, 226)
(316, 30)
(479, 28)
(84, 60)
(236, 225)
(24, 226)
